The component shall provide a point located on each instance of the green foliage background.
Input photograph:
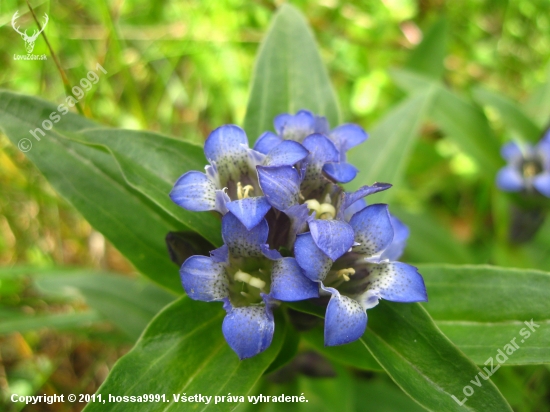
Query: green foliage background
(184, 68)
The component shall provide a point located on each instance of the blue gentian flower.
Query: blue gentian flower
(528, 168)
(358, 278)
(248, 277)
(303, 124)
(230, 182)
(283, 195)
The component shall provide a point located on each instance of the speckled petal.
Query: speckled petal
(397, 282)
(204, 279)
(240, 241)
(194, 191)
(295, 127)
(310, 258)
(266, 142)
(281, 185)
(227, 148)
(289, 284)
(340, 172)
(248, 330)
(400, 236)
(542, 183)
(373, 229)
(347, 136)
(345, 319)
(249, 211)
(287, 153)
(333, 237)
(510, 180)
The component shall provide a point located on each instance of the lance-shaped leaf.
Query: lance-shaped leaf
(289, 75)
(493, 305)
(183, 352)
(91, 180)
(390, 145)
(510, 114)
(461, 120)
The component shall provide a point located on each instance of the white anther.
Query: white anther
(326, 211)
(242, 276)
(257, 283)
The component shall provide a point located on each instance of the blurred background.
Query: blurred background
(184, 68)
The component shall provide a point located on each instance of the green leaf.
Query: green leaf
(381, 396)
(289, 75)
(538, 104)
(461, 120)
(90, 179)
(389, 146)
(129, 303)
(352, 354)
(433, 241)
(428, 58)
(24, 323)
(405, 341)
(151, 163)
(482, 308)
(510, 114)
(183, 351)
(423, 362)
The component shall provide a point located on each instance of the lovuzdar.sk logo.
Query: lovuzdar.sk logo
(29, 40)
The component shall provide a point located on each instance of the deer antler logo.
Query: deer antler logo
(29, 40)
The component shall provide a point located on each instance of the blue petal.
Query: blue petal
(287, 153)
(510, 180)
(221, 201)
(204, 279)
(266, 142)
(340, 172)
(289, 284)
(194, 191)
(352, 197)
(299, 215)
(543, 150)
(397, 282)
(249, 211)
(321, 149)
(354, 208)
(321, 125)
(227, 147)
(248, 330)
(311, 259)
(542, 183)
(240, 241)
(400, 236)
(373, 229)
(333, 237)
(225, 140)
(295, 127)
(511, 151)
(220, 255)
(347, 136)
(345, 319)
(281, 185)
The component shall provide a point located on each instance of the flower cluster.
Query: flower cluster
(292, 233)
(528, 168)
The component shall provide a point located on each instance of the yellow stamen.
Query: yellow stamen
(243, 192)
(327, 211)
(346, 273)
(251, 280)
(242, 276)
